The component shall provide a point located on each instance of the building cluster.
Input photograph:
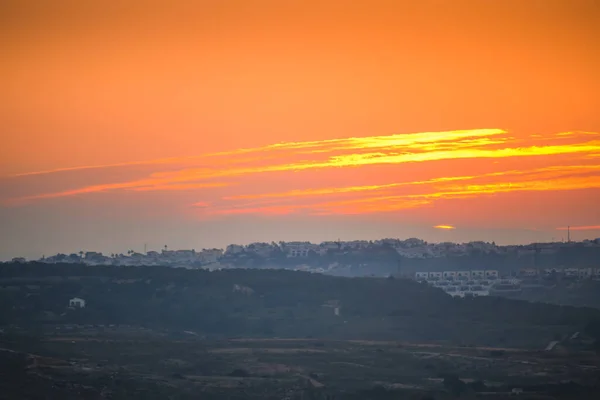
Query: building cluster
(410, 248)
(463, 283)
(577, 273)
(486, 282)
(167, 257)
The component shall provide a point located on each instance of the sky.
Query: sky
(199, 124)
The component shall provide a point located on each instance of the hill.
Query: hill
(274, 303)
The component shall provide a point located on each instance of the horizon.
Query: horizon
(206, 124)
(146, 250)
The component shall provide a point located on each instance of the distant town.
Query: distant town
(337, 256)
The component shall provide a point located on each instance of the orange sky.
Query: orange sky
(196, 124)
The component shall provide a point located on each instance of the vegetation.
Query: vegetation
(278, 303)
(94, 365)
(156, 332)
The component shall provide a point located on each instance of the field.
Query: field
(129, 362)
(167, 333)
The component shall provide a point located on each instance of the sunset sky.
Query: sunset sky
(202, 123)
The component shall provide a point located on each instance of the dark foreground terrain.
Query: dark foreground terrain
(129, 363)
(162, 333)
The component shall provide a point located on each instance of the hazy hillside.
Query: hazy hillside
(274, 303)
(569, 292)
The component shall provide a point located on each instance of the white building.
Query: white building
(298, 249)
(413, 252)
(421, 275)
(584, 273)
(435, 275)
(528, 272)
(76, 302)
(450, 275)
(550, 271)
(243, 289)
(210, 255)
(491, 274)
(478, 274)
(571, 272)
(298, 252)
(356, 244)
(462, 275)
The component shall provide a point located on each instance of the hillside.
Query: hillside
(274, 303)
(569, 292)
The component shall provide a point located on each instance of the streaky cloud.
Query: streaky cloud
(580, 228)
(340, 154)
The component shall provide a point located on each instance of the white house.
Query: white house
(529, 272)
(477, 274)
(299, 252)
(462, 275)
(356, 244)
(210, 255)
(243, 289)
(298, 249)
(450, 275)
(550, 271)
(413, 252)
(421, 275)
(491, 274)
(435, 275)
(335, 305)
(571, 272)
(585, 273)
(76, 302)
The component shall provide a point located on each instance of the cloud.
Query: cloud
(555, 162)
(181, 186)
(325, 146)
(388, 201)
(545, 173)
(143, 185)
(445, 227)
(347, 207)
(87, 167)
(580, 228)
